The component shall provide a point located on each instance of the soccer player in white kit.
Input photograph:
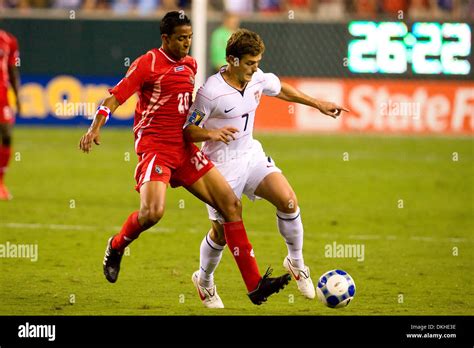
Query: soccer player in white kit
(222, 116)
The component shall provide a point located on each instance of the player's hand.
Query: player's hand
(225, 134)
(86, 141)
(331, 109)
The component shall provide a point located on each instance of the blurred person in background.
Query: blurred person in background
(39, 3)
(269, 6)
(329, 9)
(240, 7)
(170, 5)
(147, 7)
(67, 4)
(184, 4)
(219, 37)
(468, 9)
(419, 9)
(19, 4)
(103, 4)
(122, 7)
(363, 8)
(447, 8)
(300, 5)
(216, 5)
(90, 5)
(9, 76)
(395, 8)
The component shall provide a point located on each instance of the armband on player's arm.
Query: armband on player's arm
(193, 130)
(104, 111)
(101, 117)
(109, 105)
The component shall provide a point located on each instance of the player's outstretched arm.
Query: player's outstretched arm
(108, 106)
(291, 94)
(195, 134)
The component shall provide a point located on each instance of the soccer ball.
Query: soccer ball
(336, 288)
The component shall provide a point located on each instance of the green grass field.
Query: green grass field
(418, 259)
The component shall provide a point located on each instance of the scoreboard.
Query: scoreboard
(419, 49)
(369, 49)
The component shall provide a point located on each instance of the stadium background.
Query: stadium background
(407, 199)
(68, 58)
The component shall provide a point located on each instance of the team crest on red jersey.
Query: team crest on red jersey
(158, 169)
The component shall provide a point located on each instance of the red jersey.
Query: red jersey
(8, 57)
(165, 88)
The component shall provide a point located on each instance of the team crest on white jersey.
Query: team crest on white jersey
(257, 95)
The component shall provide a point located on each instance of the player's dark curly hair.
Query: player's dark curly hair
(172, 20)
(244, 41)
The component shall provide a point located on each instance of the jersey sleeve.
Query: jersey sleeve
(14, 52)
(272, 85)
(136, 75)
(201, 109)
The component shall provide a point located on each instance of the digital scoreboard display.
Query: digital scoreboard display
(422, 48)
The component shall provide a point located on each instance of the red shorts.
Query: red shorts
(152, 167)
(7, 115)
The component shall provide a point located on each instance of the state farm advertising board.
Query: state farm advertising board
(394, 106)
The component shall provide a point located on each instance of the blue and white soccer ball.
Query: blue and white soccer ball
(336, 288)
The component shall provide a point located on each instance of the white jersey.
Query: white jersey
(218, 104)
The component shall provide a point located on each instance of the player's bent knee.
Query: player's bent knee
(232, 210)
(288, 204)
(151, 215)
(156, 213)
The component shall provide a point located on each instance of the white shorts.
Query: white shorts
(244, 174)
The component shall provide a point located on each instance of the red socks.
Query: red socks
(235, 235)
(131, 229)
(5, 153)
(241, 249)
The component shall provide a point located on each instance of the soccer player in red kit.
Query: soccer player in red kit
(9, 75)
(164, 80)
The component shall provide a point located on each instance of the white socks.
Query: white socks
(291, 228)
(211, 254)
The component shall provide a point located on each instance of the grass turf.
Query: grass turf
(418, 258)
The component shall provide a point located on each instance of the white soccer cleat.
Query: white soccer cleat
(208, 296)
(302, 277)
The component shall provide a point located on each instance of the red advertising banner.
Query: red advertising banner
(387, 106)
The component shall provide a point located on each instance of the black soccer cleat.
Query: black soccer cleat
(268, 286)
(112, 260)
